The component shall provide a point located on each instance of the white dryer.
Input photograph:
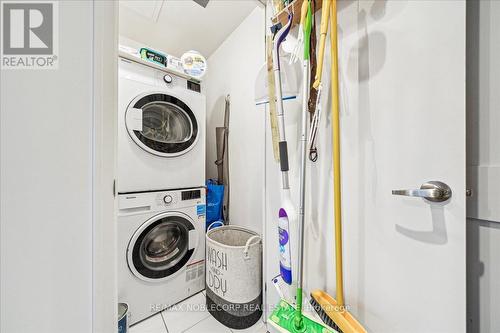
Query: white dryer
(161, 249)
(161, 130)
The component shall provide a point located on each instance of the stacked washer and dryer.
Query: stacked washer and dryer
(161, 198)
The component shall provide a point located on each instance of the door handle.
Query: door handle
(433, 191)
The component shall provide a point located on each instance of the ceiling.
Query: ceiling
(177, 26)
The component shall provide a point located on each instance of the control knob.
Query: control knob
(168, 79)
(168, 199)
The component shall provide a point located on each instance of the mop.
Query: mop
(287, 210)
(285, 317)
(333, 312)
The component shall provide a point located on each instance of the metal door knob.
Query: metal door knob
(432, 191)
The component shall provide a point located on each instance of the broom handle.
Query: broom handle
(322, 41)
(336, 153)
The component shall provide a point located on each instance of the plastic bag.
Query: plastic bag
(215, 200)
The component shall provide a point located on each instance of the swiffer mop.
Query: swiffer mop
(331, 311)
(285, 317)
(287, 210)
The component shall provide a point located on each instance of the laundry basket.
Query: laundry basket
(234, 276)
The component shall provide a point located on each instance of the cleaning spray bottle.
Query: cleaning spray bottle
(284, 241)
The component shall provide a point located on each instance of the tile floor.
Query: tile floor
(174, 320)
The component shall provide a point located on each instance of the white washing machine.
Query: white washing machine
(161, 249)
(161, 130)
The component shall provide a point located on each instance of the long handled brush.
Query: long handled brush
(333, 312)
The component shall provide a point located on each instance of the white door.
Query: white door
(403, 124)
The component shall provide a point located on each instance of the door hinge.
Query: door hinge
(114, 187)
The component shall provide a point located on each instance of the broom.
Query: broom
(331, 311)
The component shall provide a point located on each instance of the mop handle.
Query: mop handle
(303, 140)
(303, 151)
(283, 149)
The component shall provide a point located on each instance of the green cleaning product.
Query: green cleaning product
(283, 319)
(153, 56)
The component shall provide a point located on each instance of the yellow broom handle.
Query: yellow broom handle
(325, 12)
(336, 153)
(303, 12)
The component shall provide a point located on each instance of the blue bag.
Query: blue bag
(215, 200)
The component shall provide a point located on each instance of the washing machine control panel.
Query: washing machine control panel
(191, 195)
(131, 203)
(168, 199)
(180, 198)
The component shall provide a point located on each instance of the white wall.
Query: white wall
(177, 26)
(105, 136)
(232, 69)
(483, 75)
(483, 163)
(483, 276)
(49, 179)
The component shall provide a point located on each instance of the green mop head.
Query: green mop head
(283, 318)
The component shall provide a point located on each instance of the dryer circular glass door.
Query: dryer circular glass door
(161, 124)
(162, 246)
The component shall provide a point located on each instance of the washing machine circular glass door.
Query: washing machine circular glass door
(162, 246)
(161, 124)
